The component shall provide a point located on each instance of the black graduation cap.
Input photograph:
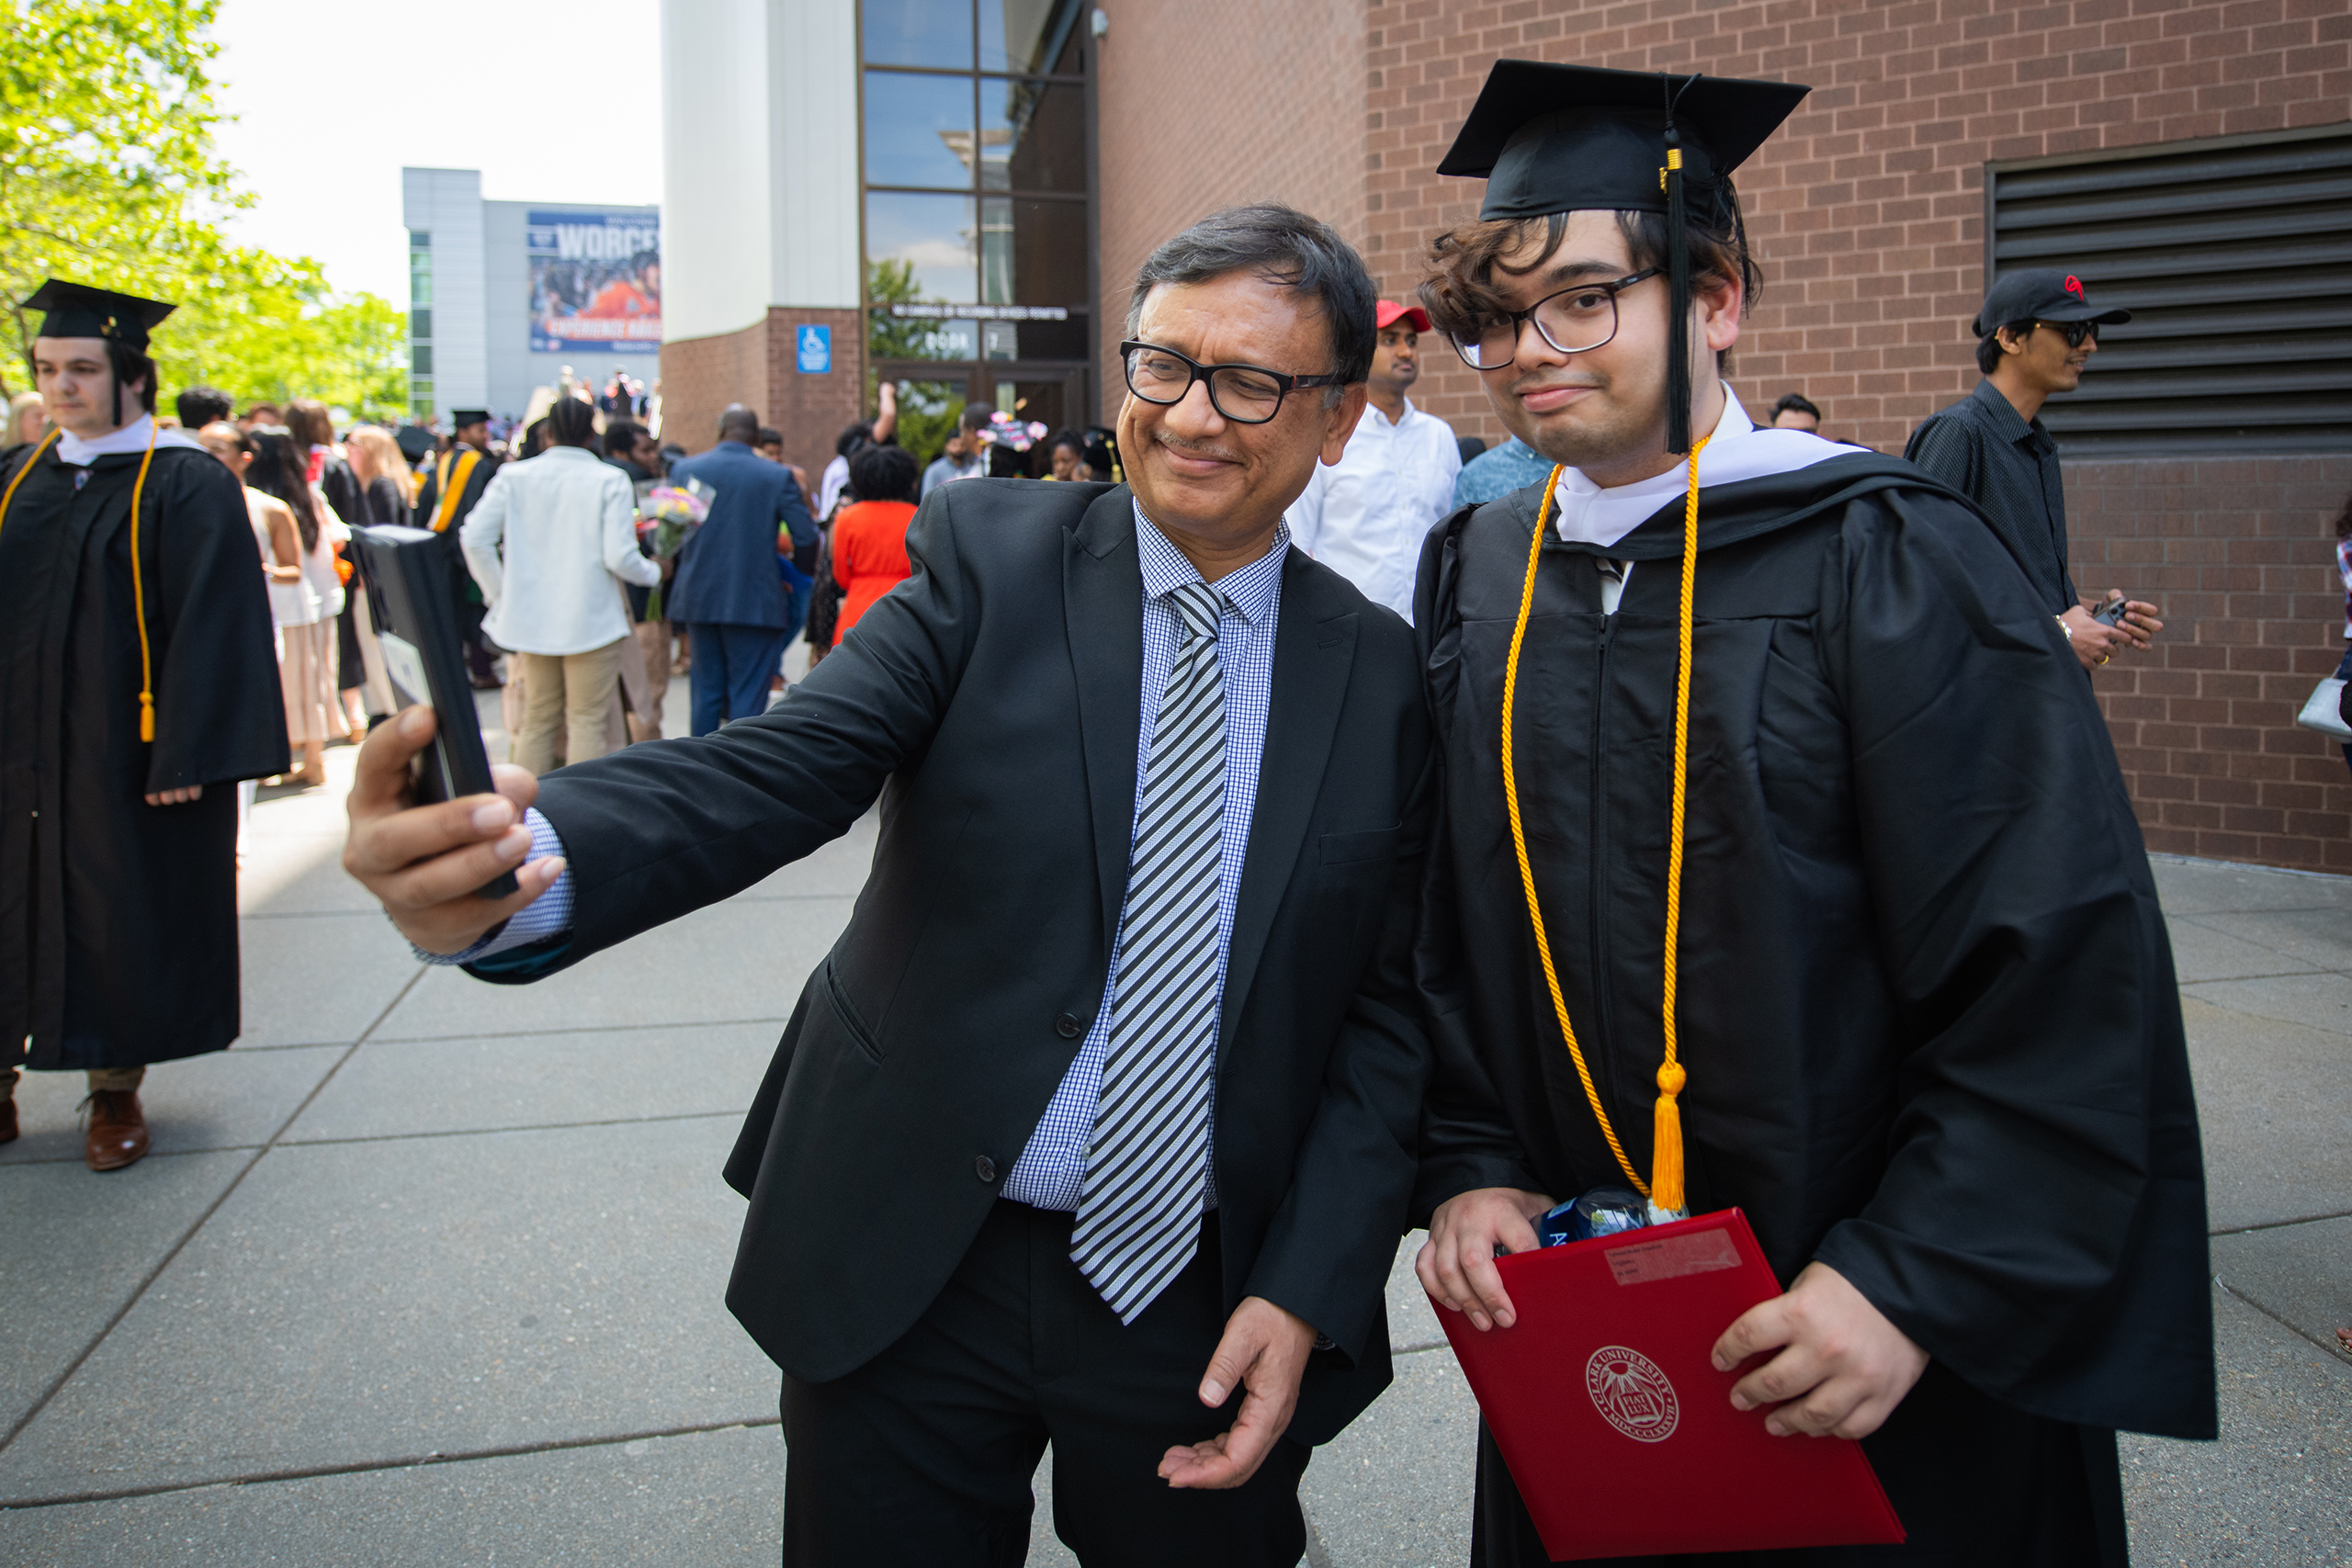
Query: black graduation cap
(1567, 138)
(75, 309)
(460, 418)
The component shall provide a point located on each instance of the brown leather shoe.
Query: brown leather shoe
(7, 1121)
(118, 1130)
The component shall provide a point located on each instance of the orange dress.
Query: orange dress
(869, 556)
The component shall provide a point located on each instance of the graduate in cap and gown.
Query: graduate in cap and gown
(1785, 865)
(138, 687)
(453, 486)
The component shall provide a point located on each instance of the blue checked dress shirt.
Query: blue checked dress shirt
(1051, 1171)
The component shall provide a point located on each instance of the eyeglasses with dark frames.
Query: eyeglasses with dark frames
(2072, 331)
(1245, 394)
(1577, 320)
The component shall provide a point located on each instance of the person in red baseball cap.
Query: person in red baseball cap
(1365, 515)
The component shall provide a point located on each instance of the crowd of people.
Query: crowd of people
(1193, 970)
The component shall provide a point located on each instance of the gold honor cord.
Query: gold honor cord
(1665, 1187)
(137, 582)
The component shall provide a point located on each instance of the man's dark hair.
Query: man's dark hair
(975, 416)
(738, 423)
(1461, 293)
(1795, 403)
(571, 422)
(129, 365)
(1988, 349)
(200, 406)
(768, 436)
(670, 454)
(1285, 247)
(884, 473)
(855, 436)
(620, 437)
(1069, 438)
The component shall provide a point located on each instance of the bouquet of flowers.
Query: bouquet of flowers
(667, 516)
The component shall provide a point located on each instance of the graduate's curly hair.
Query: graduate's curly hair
(1462, 288)
(129, 365)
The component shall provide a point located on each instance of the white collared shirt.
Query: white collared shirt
(132, 437)
(568, 521)
(1365, 515)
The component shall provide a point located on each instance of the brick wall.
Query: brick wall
(1867, 208)
(2240, 554)
(759, 367)
(1207, 103)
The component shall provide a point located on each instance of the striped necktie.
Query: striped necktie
(1139, 1215)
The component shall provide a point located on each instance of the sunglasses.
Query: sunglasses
(2074, 333)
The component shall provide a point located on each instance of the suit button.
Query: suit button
(984, 1167)
(1067, 1027)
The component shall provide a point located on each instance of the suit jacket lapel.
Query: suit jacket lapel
(1103, 608)
(1315, 647)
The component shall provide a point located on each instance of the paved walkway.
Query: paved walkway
(427, 1272)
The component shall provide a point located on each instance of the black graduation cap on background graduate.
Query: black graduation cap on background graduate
(76, 310)
(1553, 139)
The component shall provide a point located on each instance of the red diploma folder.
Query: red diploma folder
(1615, 1424)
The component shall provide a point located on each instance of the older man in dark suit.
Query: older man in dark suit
(739, 616)
(1097, 1126)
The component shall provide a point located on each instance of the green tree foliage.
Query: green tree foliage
(108, 176)
(927, 410)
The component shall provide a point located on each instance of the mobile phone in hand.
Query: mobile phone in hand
(2111, 613)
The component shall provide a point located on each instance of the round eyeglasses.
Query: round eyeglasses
(1574, 320)
(1245, 394)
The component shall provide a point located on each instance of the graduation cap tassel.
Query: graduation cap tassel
(1677, 272)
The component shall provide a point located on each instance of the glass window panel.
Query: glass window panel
(918, 32)
(419, 323)
(1029, 34)
(1033, 253)
(420, 361)
(932, 236)
(421, 239)
(1054, 340)
(917, 129)
(1032, 137)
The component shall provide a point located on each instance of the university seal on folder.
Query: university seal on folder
(1606, 1374)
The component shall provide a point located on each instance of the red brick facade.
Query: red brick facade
(1867, 213)
(2241, 553)
(758, 365)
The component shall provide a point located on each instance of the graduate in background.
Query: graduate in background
(138, 685)
(453, 485)
(1922, 1022)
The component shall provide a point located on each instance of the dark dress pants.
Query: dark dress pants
(731, 671)
(923, 1456)
(1974, 1483)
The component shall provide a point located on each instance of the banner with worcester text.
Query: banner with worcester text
(595, 280)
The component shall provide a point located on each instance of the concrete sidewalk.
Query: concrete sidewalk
(427, 1272)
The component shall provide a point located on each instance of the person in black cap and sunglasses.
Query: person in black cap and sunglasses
(2034, 335)
(138, 684)
(1782, 864)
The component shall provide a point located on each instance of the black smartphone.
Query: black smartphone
(2111, 613)
(411, 594)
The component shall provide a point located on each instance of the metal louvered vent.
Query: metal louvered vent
(2233, 256)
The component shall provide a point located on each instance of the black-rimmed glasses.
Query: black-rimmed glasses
(2072, 331)
(1575, 320)
(1246, 394)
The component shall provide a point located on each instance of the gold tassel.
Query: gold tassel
(146, 716)
(1665, 1141)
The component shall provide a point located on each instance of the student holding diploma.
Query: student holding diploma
(1785, 865)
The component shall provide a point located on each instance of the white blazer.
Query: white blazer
(568, 519)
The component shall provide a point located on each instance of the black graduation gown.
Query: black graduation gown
(465, 592)
(1927, 998)
(117, 919)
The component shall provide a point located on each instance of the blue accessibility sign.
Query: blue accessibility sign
(815, 350)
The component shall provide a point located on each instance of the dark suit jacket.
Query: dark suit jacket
(726, 572)
(991, 702)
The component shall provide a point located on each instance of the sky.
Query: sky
(330, 106)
